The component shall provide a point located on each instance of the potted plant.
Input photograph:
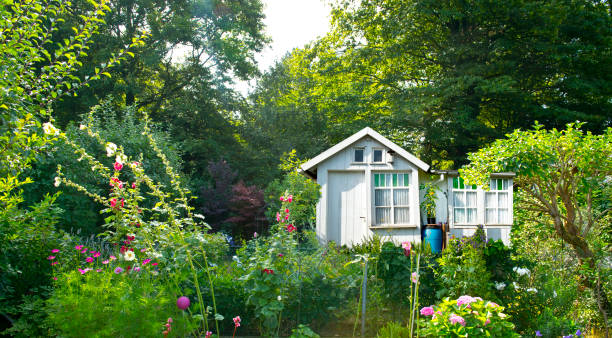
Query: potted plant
(429, 201)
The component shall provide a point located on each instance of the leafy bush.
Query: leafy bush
(393, 330)
(466, 317)
(461, 270)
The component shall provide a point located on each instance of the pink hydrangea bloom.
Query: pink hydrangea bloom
(465, 300)
(454, 319)
(427, 311)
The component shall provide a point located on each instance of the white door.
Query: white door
(346, 207)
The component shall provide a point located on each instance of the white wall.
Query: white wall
(343, 161)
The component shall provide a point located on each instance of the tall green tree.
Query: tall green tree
(565, 175)
(451, 76)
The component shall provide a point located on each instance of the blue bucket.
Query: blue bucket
(433, 237)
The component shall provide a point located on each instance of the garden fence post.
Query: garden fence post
(363, 297)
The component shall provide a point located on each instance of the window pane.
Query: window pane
(395, 180)
(503, 216)
(502, 199)
(382, 197)
(471, 199)
(500, 184)
(506, 184)
(459, 215)
(459, 198)
(461, 186)
(377, 180)
(400, 180)
(455, 183)
(491, 216)
(383, 215)
(358, 155)
(387, 180)
(401, 197)
(471, 215)
(402, 215)
(406, 180)
(377, 155)
(490, 200)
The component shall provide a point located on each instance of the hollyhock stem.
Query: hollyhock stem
(212, 290)
(197, 284)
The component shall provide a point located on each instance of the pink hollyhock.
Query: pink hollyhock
(170, 320)
(406, 246)
(287, 210)
(282, 199)
(465, 300)
(55, 250)
(286, 217)
(255, 234)
(236, 321)
(130, 238)
(291, 228)
(427, 311)
(414, 277)
(208, 334)
(118, 166)
(278, 217)
(122, 202)
(183, 303)
(51, 258)
(115, 181)
(113, 202)
(290, 198)
(89, 259)
(133, 185)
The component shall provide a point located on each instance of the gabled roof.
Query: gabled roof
(356, 137)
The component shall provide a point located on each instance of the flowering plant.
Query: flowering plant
(465, 316)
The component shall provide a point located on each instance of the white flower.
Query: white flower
(279, 298)
(501, 315)
(554, 293)
(82, 127)
(57, 181)
(121, 158)
(111, 148)
(155, 254)
(129, 256)
(49, 129)
(532, 290)
(521, 271)
(516, 287)
(500, 285)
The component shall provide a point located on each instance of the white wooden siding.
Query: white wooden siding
(346, 207)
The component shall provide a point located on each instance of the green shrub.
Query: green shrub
(393, 330)
(466, 317)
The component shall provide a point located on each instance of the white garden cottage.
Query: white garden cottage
(371, 185)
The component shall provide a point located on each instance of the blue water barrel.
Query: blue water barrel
(434, 238)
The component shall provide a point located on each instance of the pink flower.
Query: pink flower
(255, 235)
(290, 198)
(406, 246)
(55, 250)
(465, 300)
(98, 270)
(169, 320)
(236, 321)
(143, 250)
(92, 251)
(84, 251)
(97, 254)
(427, 311)
(118, 166)
(146, 261)
(137, 269)
(492, 304)
(183, 303)
(113, 202)
(282, 199)
(112, 258)
(105, 261)
(454, 319)
(83, 271)
(208, 334)
(278, 217)
(488, 321)
(118, 270)
(51, 258)
(414, 277)
(438, 313)
(291, 228)
(54, 278)
(89, 259)
(134, 185)
(154, 264)
(287, 210)
(122, 202)
(79, 247)
(54, 263)
(286, 217)
(280, 255)
(115, 181)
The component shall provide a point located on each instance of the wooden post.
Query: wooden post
(363, 298)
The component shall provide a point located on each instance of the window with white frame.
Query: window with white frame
(358, 155)
(377, 155)
(465, 207)
(497, 202)
(391, 198)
